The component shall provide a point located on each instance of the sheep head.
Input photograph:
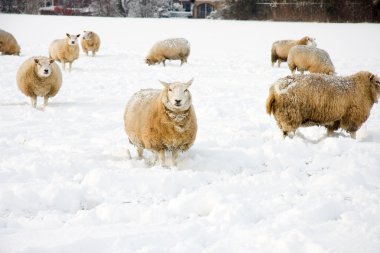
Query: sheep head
(72, 39)
(87, 35)
(176, 96)
(375, 85)
(43, 67)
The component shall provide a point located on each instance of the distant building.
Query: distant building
(200, 8)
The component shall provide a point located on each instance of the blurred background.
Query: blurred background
(275, 10)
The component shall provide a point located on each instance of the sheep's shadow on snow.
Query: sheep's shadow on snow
(320, 139)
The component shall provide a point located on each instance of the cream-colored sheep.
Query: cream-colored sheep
(280, 48)
(161, 120)
(8, 43)
(39, 76)
(312, 59)
(90, 42)
(317, 99)
(169, 49)
(65, 50)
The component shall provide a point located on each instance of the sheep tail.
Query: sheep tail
(270, 102)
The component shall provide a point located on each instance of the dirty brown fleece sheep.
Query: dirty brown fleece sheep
(330, 101)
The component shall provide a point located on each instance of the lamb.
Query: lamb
(312, 59)
(317, 99)
(161, 120)
(8, 44)
(169, 49)
(90, 42)
(39, 76)
(65, 50)
(280, 48)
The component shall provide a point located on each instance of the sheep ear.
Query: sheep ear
(51, 60)
(78, 35)
(166, 85)
(68, 35)
(371, 76)
(189, 83)
(36, 61)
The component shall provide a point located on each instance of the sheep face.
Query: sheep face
(72, 39)
(43, 67)
(87, 35)
(177, 96)
(375, 81)
(311, 42)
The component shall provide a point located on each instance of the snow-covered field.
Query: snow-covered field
(66, 184)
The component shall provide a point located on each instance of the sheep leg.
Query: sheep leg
(93, 53)
(163, 62)
(279, 62)
(353, 135)
(63, 65)
(34, 101)
(140, 153)
(46, 98)
(161, 157)
(70, 63)
(174, 157)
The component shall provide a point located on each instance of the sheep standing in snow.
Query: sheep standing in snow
(161, 120)
(65, 50)
(39, 76)
(169, 49)
(312, 59)
(8, 43)
(280, 48)
(317, 99)
(90, 42)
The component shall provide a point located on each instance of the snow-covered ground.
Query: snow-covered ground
(66, 184)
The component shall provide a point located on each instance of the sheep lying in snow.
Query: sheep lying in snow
(316, 99)
(312, 59)
(39, 76)
(8, 43)
(161, 120)
(90, 42)
(169, 49)
(65, 50)
(280, 48)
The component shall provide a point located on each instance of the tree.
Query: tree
(239, 9)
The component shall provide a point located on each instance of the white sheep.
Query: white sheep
(169, 49)
(312, 59)
(161, 120)
(8, 44)
(280, 48)
(90, 42)
(65, 50)
(39, 76)
(317, 99)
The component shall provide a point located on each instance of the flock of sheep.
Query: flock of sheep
(164, 120)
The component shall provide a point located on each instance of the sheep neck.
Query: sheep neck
(176, 116)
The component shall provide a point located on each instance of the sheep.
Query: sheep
(8, 44)
(39, 76)
(169, 49)
(280, 48)
(161, 120)
(317, 99)
(312, 59)
(65, 50)
(90, 42)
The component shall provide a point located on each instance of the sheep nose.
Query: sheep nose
(46, 71)
(177, 102)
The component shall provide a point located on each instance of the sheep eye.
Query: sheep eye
(170, 90)
(186, 90)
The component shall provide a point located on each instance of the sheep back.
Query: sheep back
(149, 126)
(33, 85)
(59, 50)
(171, 49)
(312, 59)
(8, 44)
(317, 99)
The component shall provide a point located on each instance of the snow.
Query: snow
(67, 185)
